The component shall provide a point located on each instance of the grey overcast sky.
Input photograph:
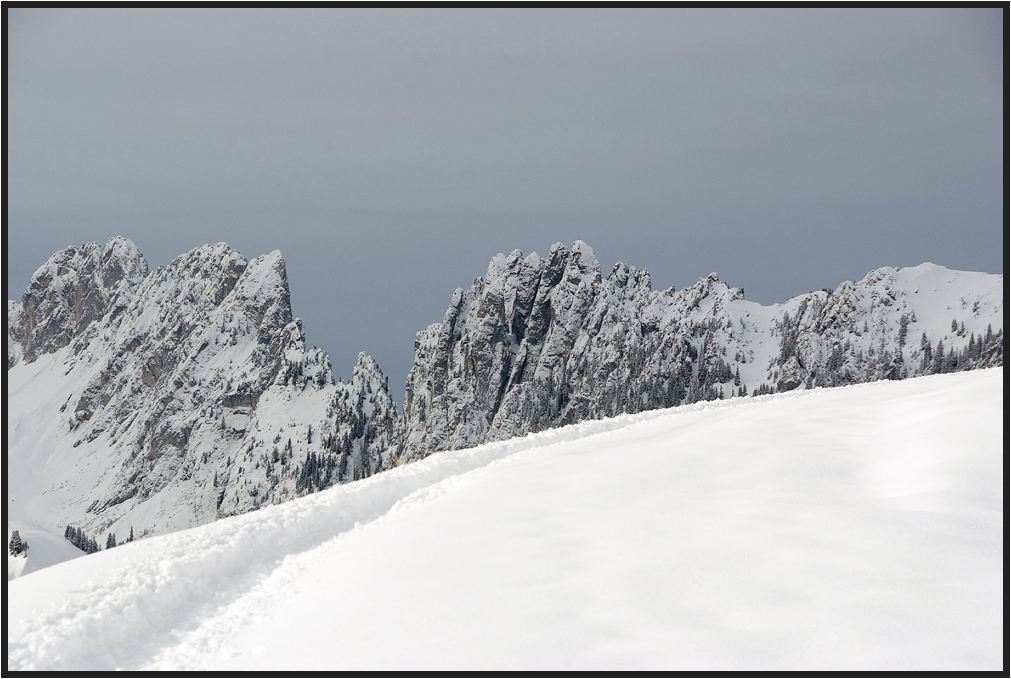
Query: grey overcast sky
(390, 153)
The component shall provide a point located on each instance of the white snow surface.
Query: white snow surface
(855, 528)
(44, 549)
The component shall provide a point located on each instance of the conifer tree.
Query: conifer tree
(16, 547)
(925, 349)
(903, 329)
(939, 363)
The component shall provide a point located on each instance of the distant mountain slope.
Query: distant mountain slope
(160, 400)
(541, 342)
(858, 528)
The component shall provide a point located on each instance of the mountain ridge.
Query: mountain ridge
(162, 399)
(188, 396)
(540, 342)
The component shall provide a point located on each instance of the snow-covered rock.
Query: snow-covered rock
(542, 342)
(159, 400)
(76, 287)
(17, 324)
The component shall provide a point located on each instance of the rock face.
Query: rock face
(542, 342)
(68, 293)
(164, 399)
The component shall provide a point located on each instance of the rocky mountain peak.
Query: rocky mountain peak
(623, 275)
(192, 383)
(366, 371)
(73, 289)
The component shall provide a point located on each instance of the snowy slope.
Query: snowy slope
(850, 528)
(45, 549)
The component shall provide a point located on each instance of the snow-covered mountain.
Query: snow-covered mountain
(848, 529)
(541, 342)
(157, 400)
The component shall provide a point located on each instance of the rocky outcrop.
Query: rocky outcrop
(542, 342)
(17, 328)
(75, 288)
(190, 387)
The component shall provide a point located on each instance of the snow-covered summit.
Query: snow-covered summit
(159, 400)
(73, 289)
